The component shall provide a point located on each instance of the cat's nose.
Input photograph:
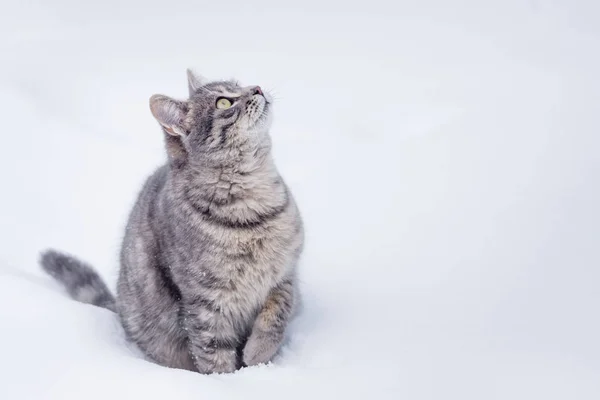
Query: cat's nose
(257, 90)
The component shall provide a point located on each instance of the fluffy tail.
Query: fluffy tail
(80, 280)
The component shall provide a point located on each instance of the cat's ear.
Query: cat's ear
(169, 112)
(194, 81)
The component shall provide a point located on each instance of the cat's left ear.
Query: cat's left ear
(195, 81)
(170, 113)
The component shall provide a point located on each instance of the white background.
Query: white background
(445, 156)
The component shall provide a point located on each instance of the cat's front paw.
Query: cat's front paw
(261, 347)
(216, 362)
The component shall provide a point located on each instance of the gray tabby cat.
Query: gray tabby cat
(208, 263)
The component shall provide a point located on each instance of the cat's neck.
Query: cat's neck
(258, 166)
(254, 183)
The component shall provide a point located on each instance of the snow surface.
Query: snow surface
(445, 155)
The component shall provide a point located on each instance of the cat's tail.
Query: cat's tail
(81, 281)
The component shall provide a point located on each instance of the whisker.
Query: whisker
(273, 94)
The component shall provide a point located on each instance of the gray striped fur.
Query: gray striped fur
(208, 262)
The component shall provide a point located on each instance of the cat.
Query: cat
(209, 259)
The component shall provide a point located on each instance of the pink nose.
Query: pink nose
(257, 90)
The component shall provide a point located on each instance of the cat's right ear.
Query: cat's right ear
(170, 113)
(195, 81)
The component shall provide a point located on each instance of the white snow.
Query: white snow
(445, 155)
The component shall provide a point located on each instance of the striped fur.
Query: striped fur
(208, 262)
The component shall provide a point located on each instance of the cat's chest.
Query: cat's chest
(248, 261)
(240, 287)
(242, 269)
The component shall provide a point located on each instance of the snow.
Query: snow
(445, 156)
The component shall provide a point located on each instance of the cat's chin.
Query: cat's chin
(264, 121)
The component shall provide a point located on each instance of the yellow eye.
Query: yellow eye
(223, 103)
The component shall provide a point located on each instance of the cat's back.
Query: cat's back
(149, 194)
(144, 211)
(140, 244)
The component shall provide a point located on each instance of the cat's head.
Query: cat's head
(220, 120)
